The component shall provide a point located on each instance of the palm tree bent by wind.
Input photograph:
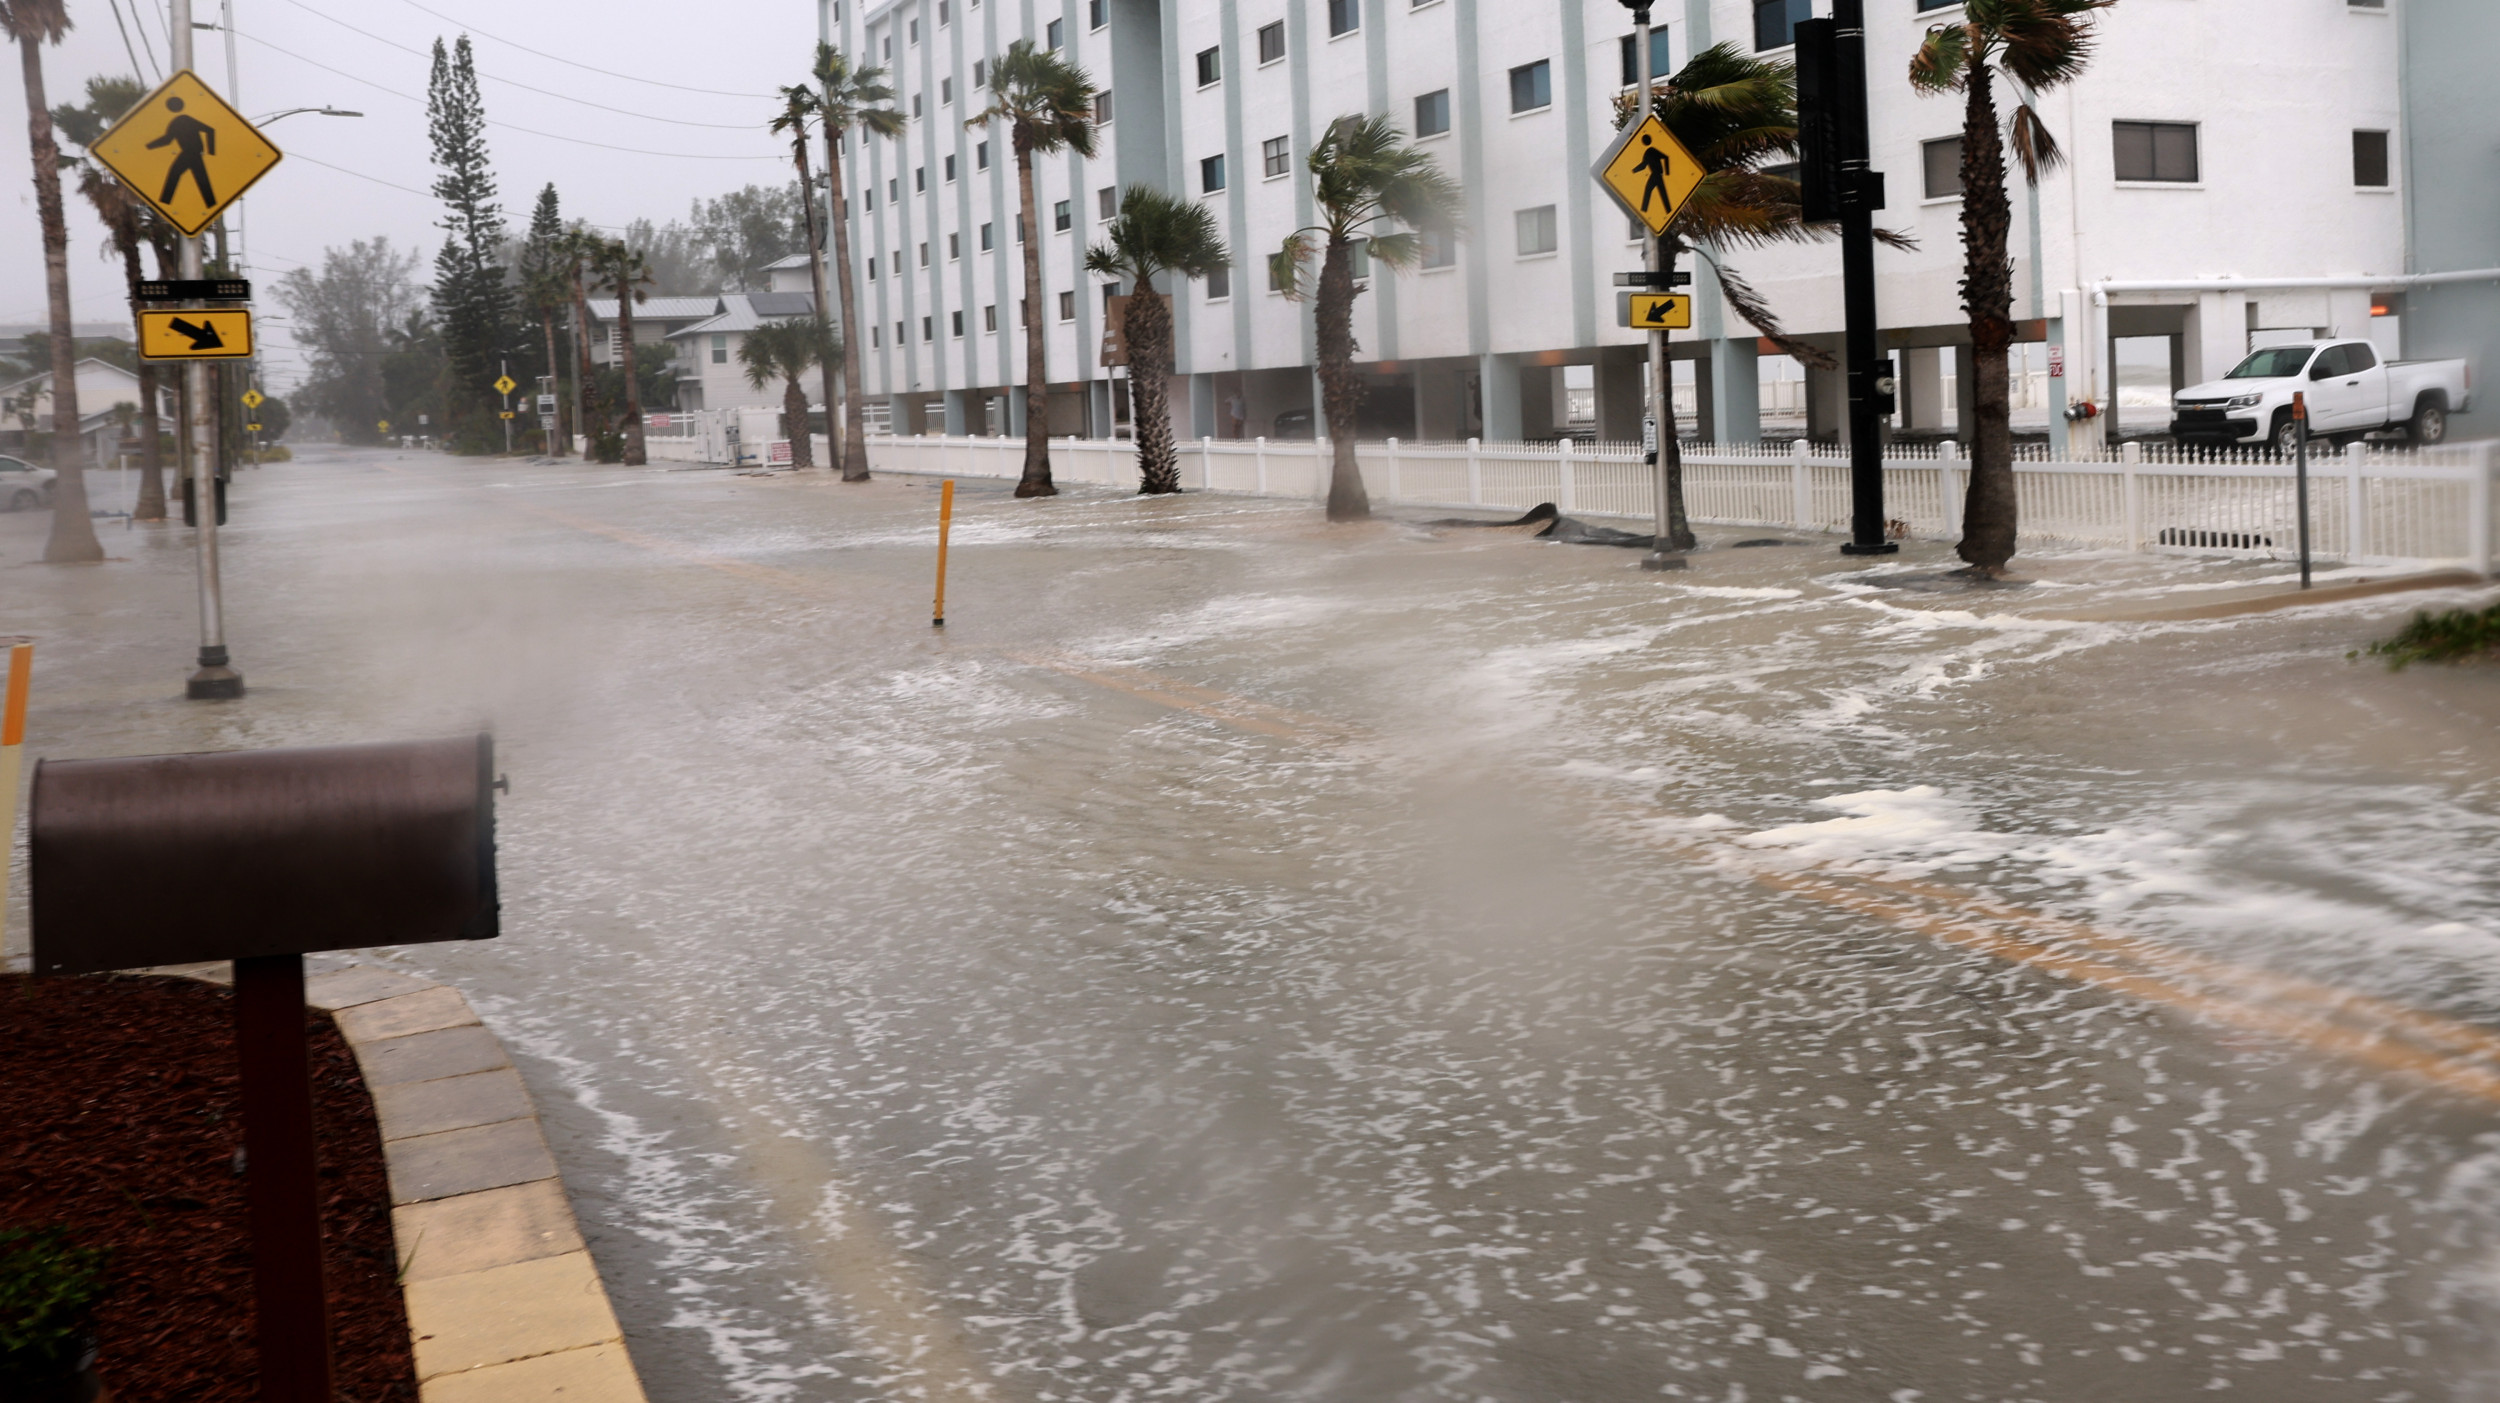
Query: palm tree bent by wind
(798, 107)
(2036, 45)
(1155, 233)
(1363, 175)
(1047, 104)
(849, 98)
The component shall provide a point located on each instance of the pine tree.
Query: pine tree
(472, 304)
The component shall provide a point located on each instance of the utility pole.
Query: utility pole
(216, 679)
(1839, 184)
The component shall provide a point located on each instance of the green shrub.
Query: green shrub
(2455, 636)
(48, 1289)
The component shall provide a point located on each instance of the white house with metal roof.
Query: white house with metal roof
(710, 376)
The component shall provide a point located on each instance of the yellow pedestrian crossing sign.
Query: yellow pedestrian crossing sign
(1649, 173)
(504, 385)
(254, 399)
(222, 334)
(1654, 311)
(185, 152)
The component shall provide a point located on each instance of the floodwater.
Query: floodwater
(1240, 959)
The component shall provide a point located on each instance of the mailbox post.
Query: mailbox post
(262, 857)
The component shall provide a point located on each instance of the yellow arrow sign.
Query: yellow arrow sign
(253, 399)
(1649, 173)
(185, 152)
(223, 334)
(384, 426)
(255, 428)
(1654, 311)
(504, 385)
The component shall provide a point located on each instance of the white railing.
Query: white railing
(2366, 505)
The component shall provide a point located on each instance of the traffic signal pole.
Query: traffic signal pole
(216, 679)
(1840, 184)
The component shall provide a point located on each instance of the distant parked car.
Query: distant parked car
(23, 486)
(1293, 423)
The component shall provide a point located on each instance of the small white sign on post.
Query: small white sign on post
(1649, 434)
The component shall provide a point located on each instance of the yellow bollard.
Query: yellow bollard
(946, 522)
(12, 745)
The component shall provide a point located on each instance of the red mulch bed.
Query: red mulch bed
(120, 1115)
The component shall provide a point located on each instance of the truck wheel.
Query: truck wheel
(2429, 426)
(21, 501)
(2286, 434)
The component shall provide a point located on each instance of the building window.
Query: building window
(1532, 86)
(946, 92)
(1344, 17)
(2367, 4)
(1107, 201)
(2163, 151)
(876, 337)
(1024, 311)
(1052, 35)
(1440, 247)
(1925, 5)
(894, 187)
(900, 336)
(868, 198)
(950, 170)
(924, 253)
(919, 179)
(915, 29)
(872, 268)
(957, 320)
(989, 317)
(943, 16)
(1536, 230)
(1279, 279)
(1220, 283)
(1432, 113)
(928, 328)
(1061, 217)
(2369, 158)
(1271, 42)
(1102, 108)
(954, 247)
(981, 156)
(979, 68)
(1276, 155)
(889, 48)
(720, 350)
(1211, 175)
(1775, 21)
(985, 238)
(1097, 13)
(1067, 306)
(1658, 65)
(1210, 66)
(1942, 159)
(1019, 228)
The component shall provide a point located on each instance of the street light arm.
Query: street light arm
(296, 111)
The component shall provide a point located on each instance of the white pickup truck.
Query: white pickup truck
(2347, 389)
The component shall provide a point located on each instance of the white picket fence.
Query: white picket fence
(2366, 505)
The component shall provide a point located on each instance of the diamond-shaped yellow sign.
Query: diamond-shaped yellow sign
(254, 399)
(185, 152)
(505, 384)
(384, 426)
(1649, 173)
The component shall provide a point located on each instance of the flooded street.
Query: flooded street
(1240, 959)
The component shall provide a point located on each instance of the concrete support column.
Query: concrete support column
(2058, 442)
(1098, 417)
(1498, 377)
(1700, 370)
(904, 414)
(2217, 336)
(1922, 388)
(1827, 406)
(1015, 411)
(1204, 405)
(1440, 403)
(1962, 418)
(1540, 390)
(1736, 389)
(958, 419)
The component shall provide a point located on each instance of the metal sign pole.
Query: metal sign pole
(1662, 552)
(2300, 476)
(216, 679)
(281, 1180)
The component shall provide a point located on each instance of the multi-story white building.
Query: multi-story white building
(2236, 172)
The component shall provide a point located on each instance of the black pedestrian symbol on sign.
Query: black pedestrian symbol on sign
(1654, 161)
(192, 140)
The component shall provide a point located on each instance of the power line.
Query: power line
(135, 65)
(558, 58)
(506, 126)
(526, 87)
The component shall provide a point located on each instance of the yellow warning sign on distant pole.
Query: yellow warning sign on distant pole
(1654, 311)
(1649, 173)
(185, 152)
(224, 333)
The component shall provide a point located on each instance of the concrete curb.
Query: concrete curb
(2276, 597)
(504, 1302)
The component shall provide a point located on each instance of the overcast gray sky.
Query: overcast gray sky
(370, 56)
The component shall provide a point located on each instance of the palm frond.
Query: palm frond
(2044, 42)
(2032, 143)
(1748, 304)
(1045, 101)
(1943, 61)
(1285, 266)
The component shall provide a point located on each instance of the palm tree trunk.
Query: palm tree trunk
(850, 448)
(73, 532)
(151, 503)
(1036, 480)
(1341, 391)
(802, 454)
(635, 453)
(794, 423)
(555, 439)
(1988, 512)
(1149, 334)
(1670, 434)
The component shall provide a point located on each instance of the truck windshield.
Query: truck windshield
(2272, 363)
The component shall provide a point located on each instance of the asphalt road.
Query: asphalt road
(1242, 959)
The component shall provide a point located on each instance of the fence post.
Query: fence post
(2131, 487)
(2356, 505)
(1475, 474)
(1800, 485)
(1261, 478)
(1949, 502)
(2478, 530)
(1206, 462)
(1393, 470)
(1563, 493)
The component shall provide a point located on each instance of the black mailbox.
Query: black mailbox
(168, 859)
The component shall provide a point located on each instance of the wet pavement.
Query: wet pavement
(1244, 959)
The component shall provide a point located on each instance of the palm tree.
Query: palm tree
(625, 271)
(1736, 113)
(1155, 233)
(1363, 174)
(798, 106)
(35, 23)
(128, 225)
(848, 98)
(2036, 44)
(787, 350)
(576, 255)
(1048, 106)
